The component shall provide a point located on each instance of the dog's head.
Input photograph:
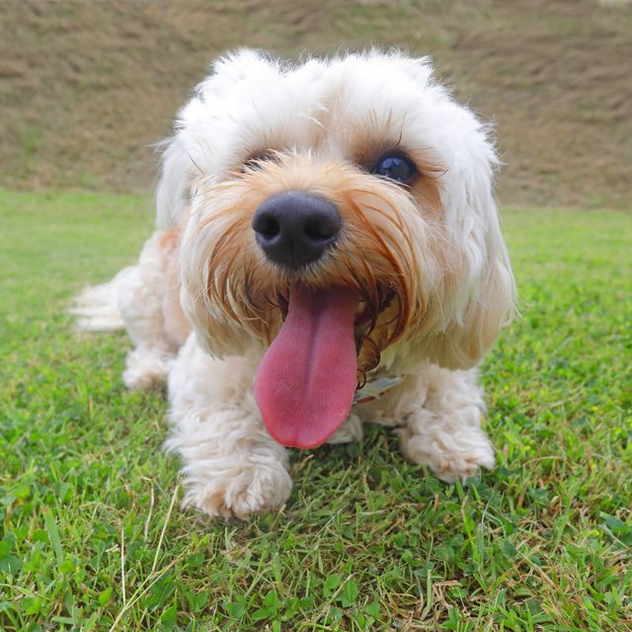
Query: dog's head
(347, 202)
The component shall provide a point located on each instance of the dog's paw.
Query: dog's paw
(242, 492)
(450, 453)
(146, 370)
(463, 466)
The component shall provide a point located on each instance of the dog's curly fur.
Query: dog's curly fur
(427, 262)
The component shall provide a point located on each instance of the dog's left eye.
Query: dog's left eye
(396, 166)
(255, 161)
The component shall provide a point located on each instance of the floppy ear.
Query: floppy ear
(174, 186)
(190, 153)
(491, 305)
(480, 275)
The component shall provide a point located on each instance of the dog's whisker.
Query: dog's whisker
(314, 120)
(195, 164)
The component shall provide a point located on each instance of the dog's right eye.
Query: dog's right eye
(254, 162)
(397, 166)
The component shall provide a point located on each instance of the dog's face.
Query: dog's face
(354, 193)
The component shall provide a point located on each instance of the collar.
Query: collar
(376, 385)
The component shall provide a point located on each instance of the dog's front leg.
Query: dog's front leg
(232, 466)
(443, 430)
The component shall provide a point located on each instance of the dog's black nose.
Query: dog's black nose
(294, 228)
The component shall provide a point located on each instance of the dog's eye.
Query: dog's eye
(255, 161)
(396, 166)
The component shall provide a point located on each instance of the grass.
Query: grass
(92, 537)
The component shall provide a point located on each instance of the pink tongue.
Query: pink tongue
(306, 380)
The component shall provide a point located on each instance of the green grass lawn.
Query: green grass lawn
(92, 537)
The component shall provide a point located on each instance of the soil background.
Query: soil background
(88, 86)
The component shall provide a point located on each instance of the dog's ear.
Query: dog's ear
(189, 154)
(480, 286)
(490, 305)
(174, 186)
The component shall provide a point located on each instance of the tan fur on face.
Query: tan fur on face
(369, 139)
(239, 293)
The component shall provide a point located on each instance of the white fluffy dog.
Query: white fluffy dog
(328, 253)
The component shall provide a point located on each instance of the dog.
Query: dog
(327, 253)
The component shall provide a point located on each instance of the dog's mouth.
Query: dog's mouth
(306, 381)
(364, 316)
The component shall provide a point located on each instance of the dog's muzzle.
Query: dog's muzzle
(294, 228)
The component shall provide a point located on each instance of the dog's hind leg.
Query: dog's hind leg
(232, 466)
(150, 309)
(443, 431)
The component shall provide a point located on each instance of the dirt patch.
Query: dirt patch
(88, 86)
